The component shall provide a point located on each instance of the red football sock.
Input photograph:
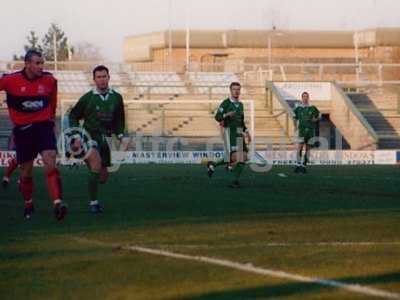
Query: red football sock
(54, 185)
(12, 165)
(26, 188)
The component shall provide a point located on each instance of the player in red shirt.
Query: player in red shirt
(32, 101)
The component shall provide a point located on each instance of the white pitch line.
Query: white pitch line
(275, 244)
(356, 288)
(273, 273)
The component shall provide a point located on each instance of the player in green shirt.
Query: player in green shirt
(230, 115)
(102, 112)
(306, 118)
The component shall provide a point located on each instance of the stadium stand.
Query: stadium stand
(72, 82)
(159, 83)
(119, 82)
(379, 107)
(5, 128)
(378, 104)
(211, 82)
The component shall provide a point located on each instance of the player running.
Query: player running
(102, 112)
(306, 118)
(230, 114)
(32, 101)
(12, 164)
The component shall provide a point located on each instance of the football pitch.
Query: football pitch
(170, 232)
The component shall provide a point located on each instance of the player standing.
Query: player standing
(102, 112)
(306, 118)
(230, 114)
(32, 101)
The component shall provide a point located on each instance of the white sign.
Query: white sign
(172, 157)
(320, 91)
(385, 157)
(326, 157)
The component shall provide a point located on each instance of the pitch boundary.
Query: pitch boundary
(249, 268)
(274, 244)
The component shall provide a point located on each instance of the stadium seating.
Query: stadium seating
(5, 129)
(379, 108)
(72, 82)
(209, 82)
(168, 83)
(118, 83)
(379, 105)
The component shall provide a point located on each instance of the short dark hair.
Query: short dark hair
(30, 53)
(305, 93)
(99, 69)
(235, 83)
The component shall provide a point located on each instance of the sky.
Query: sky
(105, 23)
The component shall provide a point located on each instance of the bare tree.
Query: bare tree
(32, 43)
(85, 51)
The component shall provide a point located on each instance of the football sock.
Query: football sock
(93, 185)
(28, 203)
(298, 157)
(26, 189)
(237, 170)
(54, 185)
(306, 158)
(12, 165)
(219, 162)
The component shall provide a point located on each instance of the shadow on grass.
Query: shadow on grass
(142, 196)
(291, 289)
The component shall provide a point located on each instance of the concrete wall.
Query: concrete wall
(377, 44)
(354, 128)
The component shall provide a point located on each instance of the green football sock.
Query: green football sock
(219, 162)
(93, 184)
(306, 158)
(237, 170)
(298, 156)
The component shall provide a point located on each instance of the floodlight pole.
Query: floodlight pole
(187, 40)
(356, 56)
(270, 56)
(170, 34)
(271, 34)
(55, 50)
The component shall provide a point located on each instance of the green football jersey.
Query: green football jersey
(234, 126)
(102, 115)
(234, 122)
(305, 114)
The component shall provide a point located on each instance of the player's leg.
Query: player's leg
(47, 145)
(103, 175)
(211, 165)
(306, 156)
(238, 164)
(105, 155)
(299, 154)
(238, 159)
(54, 183)
(12, 166)
(26, 187)
(308, 135)
(26, 152)
(93, 162)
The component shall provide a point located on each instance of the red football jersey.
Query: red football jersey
(30, 101)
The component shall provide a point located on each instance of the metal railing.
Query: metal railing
(279, 107)
(357, 74)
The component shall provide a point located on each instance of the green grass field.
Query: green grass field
(337, 223)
